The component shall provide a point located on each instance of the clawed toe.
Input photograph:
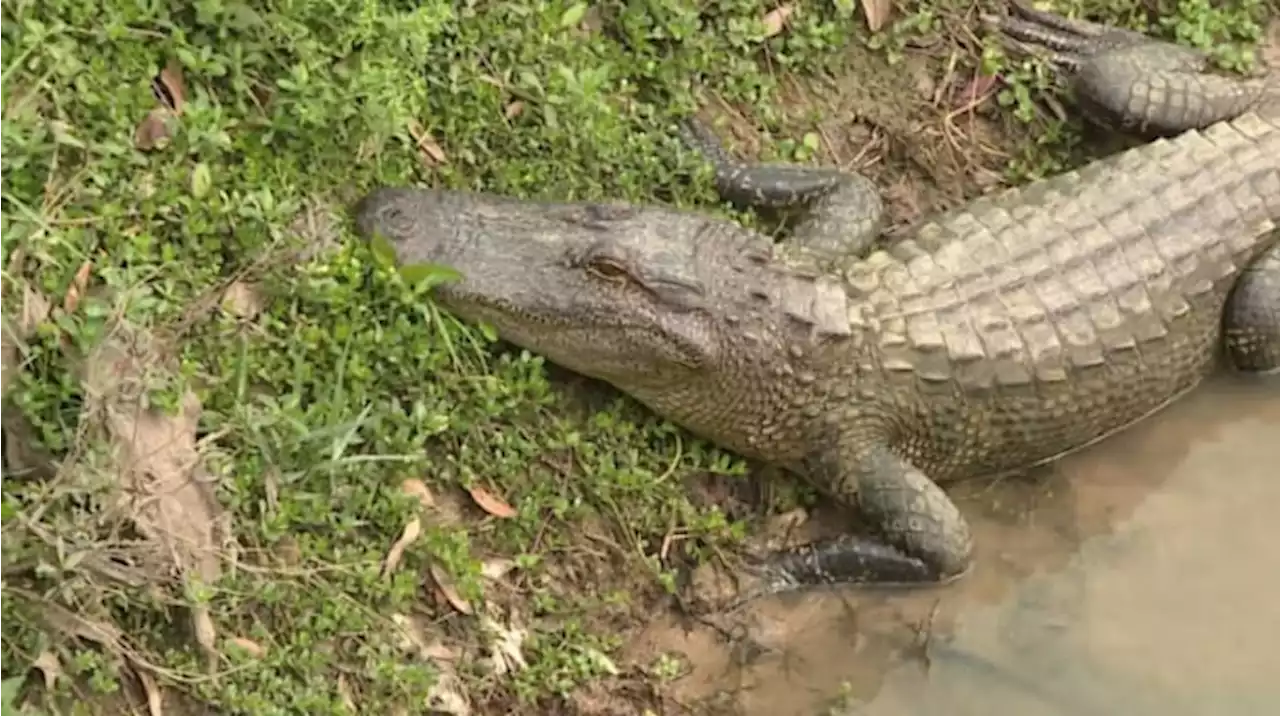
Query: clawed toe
(1063, 25)
(1062, 41)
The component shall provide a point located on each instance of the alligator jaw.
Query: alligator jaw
(599, 289)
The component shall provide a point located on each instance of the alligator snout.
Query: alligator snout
(412, 221)
(366, 212)
(380, 211)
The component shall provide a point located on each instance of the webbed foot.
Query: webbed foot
(919, 539)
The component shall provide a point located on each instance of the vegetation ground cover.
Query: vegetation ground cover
(250, 468)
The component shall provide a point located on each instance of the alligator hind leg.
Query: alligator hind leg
(1251, 322)
(845, 210)
(1125, 79)
(920, 536)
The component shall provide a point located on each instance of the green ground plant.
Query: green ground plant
(175, 184)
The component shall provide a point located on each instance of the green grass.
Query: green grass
(344, 381)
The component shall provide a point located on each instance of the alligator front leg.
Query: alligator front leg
(845, 211)
(918, 537)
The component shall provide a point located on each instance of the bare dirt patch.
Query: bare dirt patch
(925, 129)
(154, 520)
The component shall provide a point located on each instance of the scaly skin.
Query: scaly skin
(1021, 327)
(1252, 321)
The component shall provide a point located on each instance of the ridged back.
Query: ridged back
(1054, 275)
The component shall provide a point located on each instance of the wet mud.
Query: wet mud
(1137, 576)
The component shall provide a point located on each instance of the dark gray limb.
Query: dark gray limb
(1126, 80)
(920, 537)
(845, 210)
(1251, 323)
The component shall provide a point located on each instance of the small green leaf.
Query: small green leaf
(9, 689)
(383, 251)
(201, 180)
(573, 15)
(429, 275)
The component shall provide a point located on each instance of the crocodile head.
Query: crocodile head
(607, 290)
(687, 313)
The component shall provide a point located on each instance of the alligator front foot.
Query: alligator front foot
(846, 560)
(845, 211)
(1127, 80)
(920, 538)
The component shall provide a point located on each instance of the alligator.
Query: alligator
(1001, 335)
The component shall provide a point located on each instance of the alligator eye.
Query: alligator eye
(607, 269)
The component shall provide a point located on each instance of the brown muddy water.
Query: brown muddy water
(1139, 576)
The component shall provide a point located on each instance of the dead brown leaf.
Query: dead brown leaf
(250, 647)
(157, 127)
(416, 638)
(877, 12)
(76, 290)
(50, 667)
(419, 489)
(162, 476)
(430, 152)
(492, 504)
(206, 633)
(154, 130)
(35, 309)
(170, 88)
(513, 110)
(777, 18)
(449, 591)
(348, 696)
(412, 530)
(155, 697)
